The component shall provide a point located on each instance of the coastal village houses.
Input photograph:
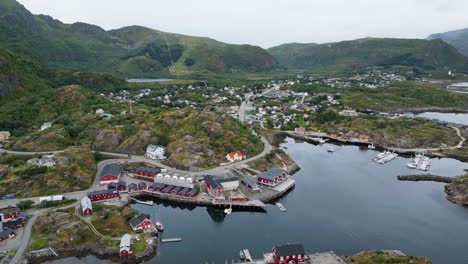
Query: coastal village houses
(235, 156)
(125, 246)
(156, 152)
(140, 222)
(299, 130)
(86, 206)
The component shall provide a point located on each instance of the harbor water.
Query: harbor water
(342, 202)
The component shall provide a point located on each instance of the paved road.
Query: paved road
(241, 111)
(24, 239)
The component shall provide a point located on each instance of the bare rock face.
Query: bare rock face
(138, 143)
(107, 140)
(8, 84)
(457, 191)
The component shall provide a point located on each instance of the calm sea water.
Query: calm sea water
(342, 202)
(459, 118)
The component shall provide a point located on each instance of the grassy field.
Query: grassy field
(386, 257)
(75, 170)
(112, 221)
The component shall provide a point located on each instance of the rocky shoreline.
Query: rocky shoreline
(97, 251)
(456, 187)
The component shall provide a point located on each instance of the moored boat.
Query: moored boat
(159, 227)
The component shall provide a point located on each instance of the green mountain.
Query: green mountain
(20, 74)
(131, 51)
(456, 38)
(425, 55)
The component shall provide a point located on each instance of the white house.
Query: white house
(156, 152)
(45, 161)
(348, 112)
(235, 156)
(100, 111)
(4, 135)
(46, 125)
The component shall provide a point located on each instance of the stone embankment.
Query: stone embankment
(426, 177)
(456, 187)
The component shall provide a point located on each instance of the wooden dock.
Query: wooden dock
(281, 207)
(170, 240)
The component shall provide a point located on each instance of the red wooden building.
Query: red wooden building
(103, 195)
(9, 233)
(9, 213)
(272, 177)
(86, 206)
(145, 173)
(142, 186)
(289, 253)
(213, 186)
(125, 246)
(141, 221)
(110, 173)
(132, 187)
(15, 224)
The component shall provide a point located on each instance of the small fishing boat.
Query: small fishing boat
(371, 146)
(228, 211)
(330, 150)
(242, 255)
(159, 227)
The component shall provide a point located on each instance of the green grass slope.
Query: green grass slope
(425, 55)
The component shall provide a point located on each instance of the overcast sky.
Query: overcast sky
(267, 22)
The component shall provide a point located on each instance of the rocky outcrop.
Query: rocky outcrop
(457, 191)
(107, 140)
(386, 256)
(8, 83)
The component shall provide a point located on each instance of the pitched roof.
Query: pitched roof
(139, 219)
(9, 210)
(211, 181)
(11, 224)
(249, 181)
(6, 232)
(103, 192)
(110, 169)
(271, 173)
(125, 242)
(289, 250)
(86, 203)
(148, 169)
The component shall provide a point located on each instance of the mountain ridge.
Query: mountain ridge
(429, 55)
(457, 38)
(130, 51)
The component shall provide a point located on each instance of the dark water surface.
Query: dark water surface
(342, 202)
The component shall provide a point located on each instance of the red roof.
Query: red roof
(108, 177)
(232, 154)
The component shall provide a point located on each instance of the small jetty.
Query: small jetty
(385, 157)
(281, 207)
(142, 202)
(171, 240)
(420, 162)
(426, 177)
